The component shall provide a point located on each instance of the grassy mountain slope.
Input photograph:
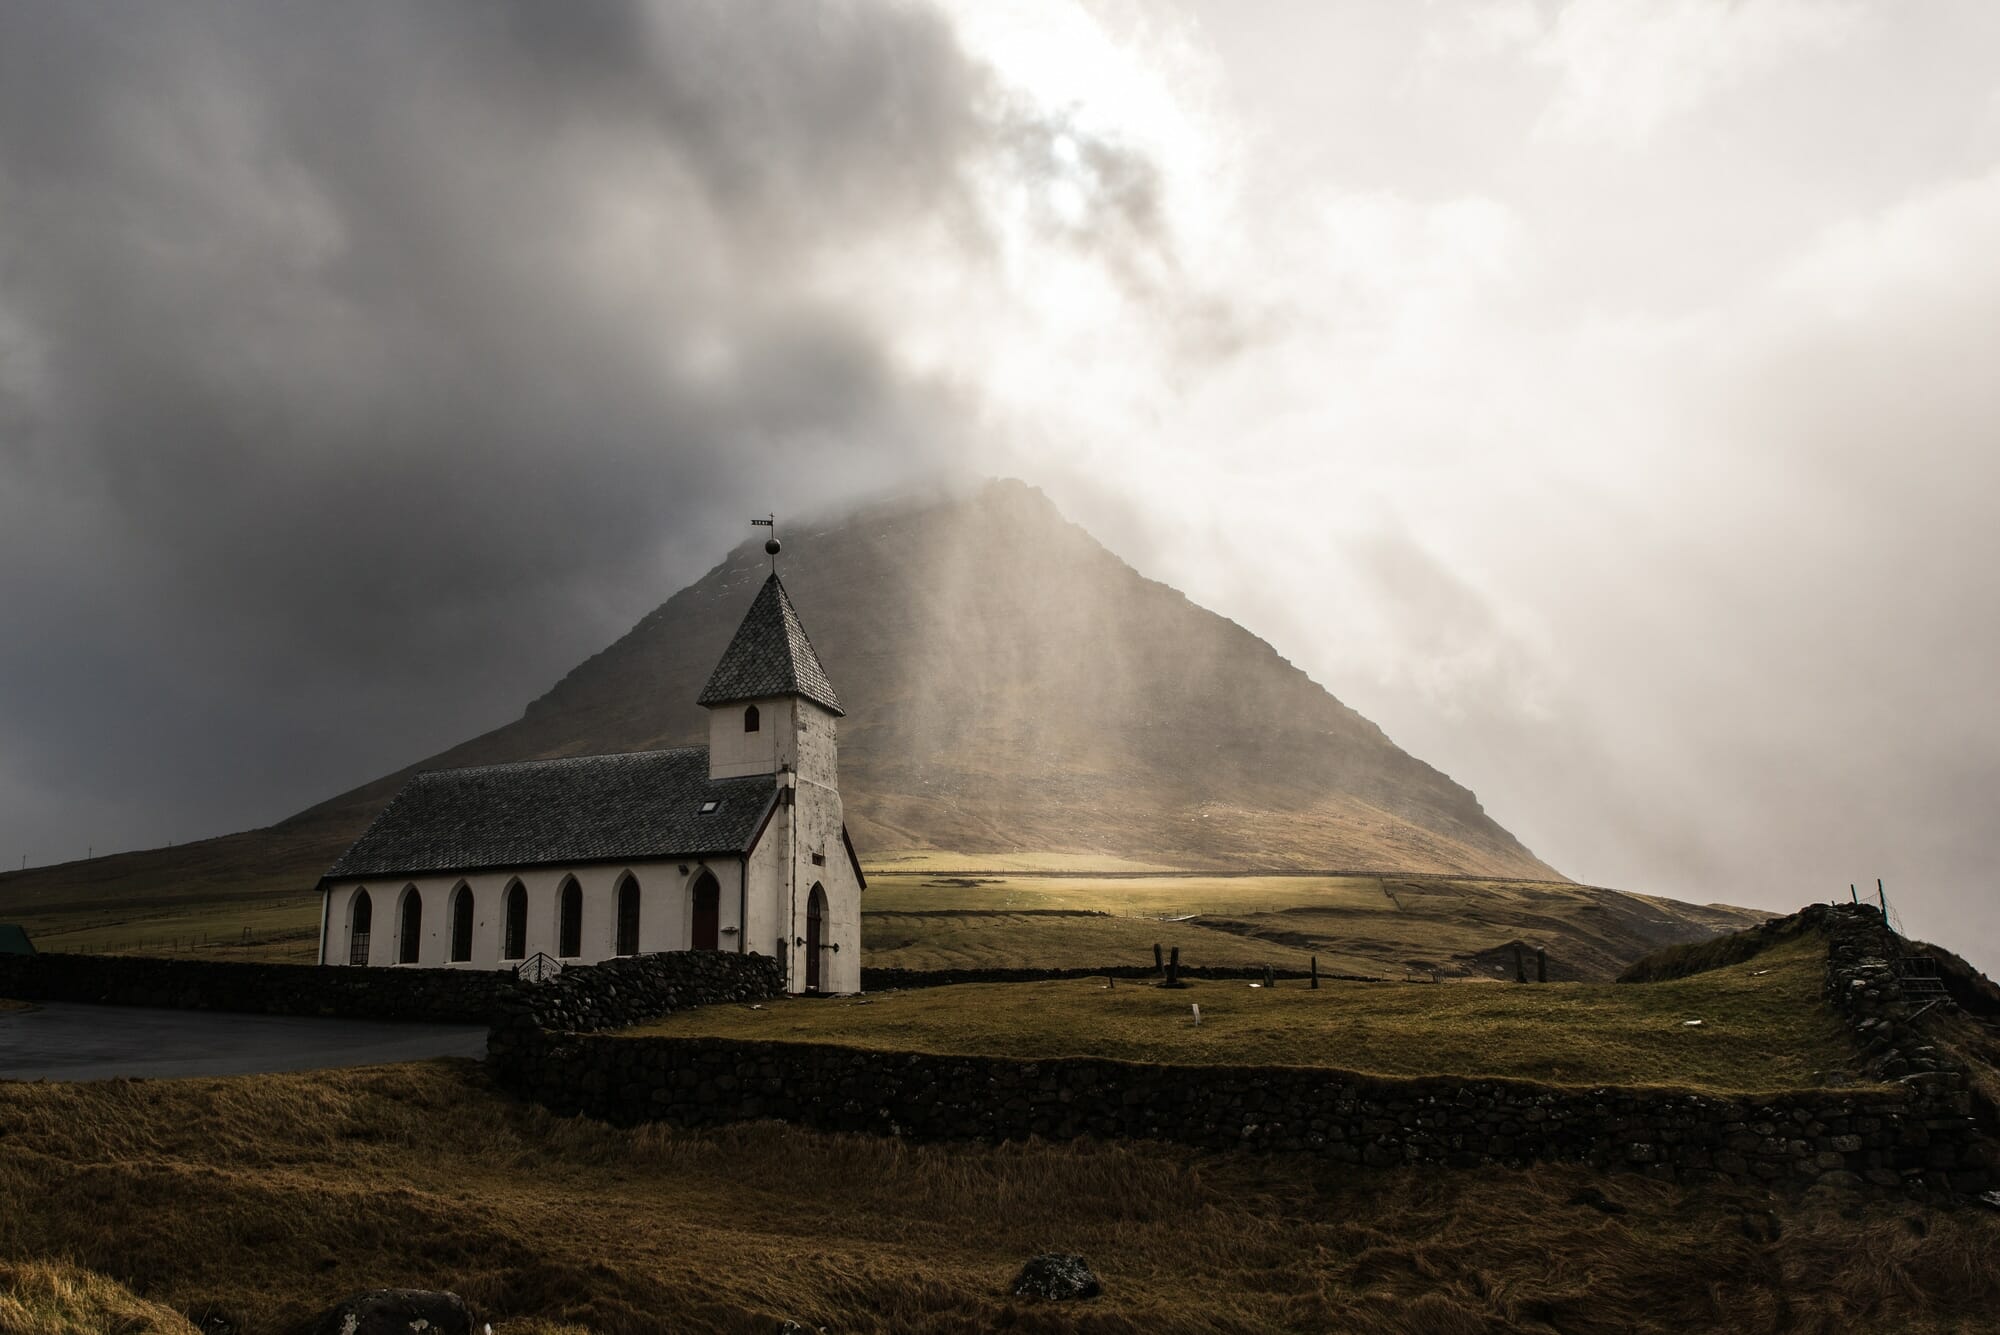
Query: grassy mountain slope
(1010, 685)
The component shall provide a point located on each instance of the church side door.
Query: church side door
(707, 914)
(815, 935)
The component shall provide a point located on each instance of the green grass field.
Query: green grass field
(260, 1200)
(1367, 925)
(1370, 926)
(1763, 1025)
(1018, 940)
(276, 928)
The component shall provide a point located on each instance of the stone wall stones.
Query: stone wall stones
(609, 995)
(889, 980)
(1915, 1135)
(1889, 1137)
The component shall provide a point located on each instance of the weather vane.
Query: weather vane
(771, 545)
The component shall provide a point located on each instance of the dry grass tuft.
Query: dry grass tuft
(56, 1298)
(262, 1199)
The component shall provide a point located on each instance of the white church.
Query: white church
(739, 845)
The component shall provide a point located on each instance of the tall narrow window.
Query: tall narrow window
(751, 721)
(815, 938)
(707, 933)
(357, 938)
(628, 916)
(569, 940)
(461, 925)
(514, 945)
(410, 931)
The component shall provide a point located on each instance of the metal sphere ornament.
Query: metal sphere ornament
(771, 546)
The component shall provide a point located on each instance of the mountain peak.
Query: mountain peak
(1011, 684)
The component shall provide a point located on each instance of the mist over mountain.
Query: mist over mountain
(1009, 685)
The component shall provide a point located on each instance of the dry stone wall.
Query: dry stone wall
(610, 995)
(1891, 1138)
(472, 996)
(887, 980)
(1917, 1134)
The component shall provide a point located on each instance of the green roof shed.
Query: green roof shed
(14, 940)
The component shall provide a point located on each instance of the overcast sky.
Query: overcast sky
(1600, 396)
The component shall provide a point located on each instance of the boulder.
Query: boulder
(393, 1312)
(1058, 1276)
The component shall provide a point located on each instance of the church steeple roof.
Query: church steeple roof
(770, 655)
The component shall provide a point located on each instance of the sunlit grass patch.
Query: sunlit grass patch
(1763, 1026)
(944, 860)
(1040, 940)
(39, 1297)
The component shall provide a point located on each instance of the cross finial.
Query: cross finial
(771, 545)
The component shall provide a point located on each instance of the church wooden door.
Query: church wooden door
(815, 935)
(707, 914)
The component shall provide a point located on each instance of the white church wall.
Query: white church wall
(733, 753)
(666, 912)
(765, 930)
(821, 858)
(818, 758)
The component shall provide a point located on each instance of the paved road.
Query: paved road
(67, 1041)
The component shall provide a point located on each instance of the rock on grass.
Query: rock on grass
(1058, 1276)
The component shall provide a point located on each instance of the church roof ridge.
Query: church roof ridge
(618, 807)
(771, 654)
(503, 766)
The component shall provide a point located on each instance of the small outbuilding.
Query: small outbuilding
(14, 940)
(740, 845)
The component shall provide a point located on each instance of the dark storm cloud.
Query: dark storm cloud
(364, 366)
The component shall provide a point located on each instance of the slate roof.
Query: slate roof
(641, 804)
(770, 655)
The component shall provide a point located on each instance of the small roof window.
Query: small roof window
(711, 806)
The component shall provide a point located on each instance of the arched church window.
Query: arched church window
(410, 931)
(569, 939)
(461, 924)
(628, 915)
(357, 936)
(751, 719)
(514, 942)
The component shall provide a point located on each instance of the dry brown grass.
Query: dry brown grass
(264, 1198)
(57, 1298)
